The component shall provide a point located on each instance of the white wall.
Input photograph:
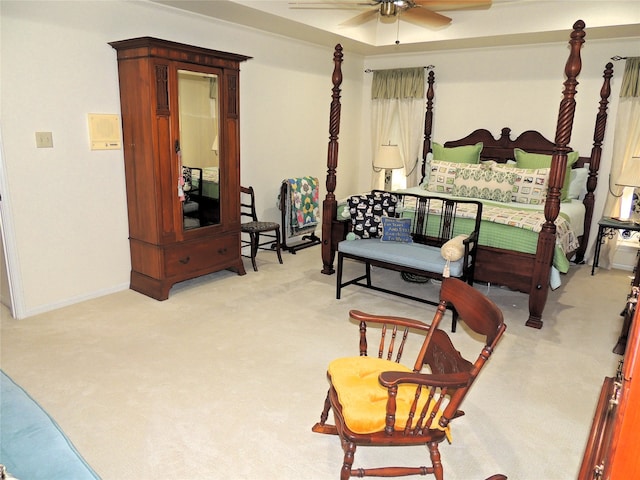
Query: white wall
(69, 204)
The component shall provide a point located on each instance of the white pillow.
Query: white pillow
(578, 183)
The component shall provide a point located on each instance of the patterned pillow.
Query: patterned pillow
(367, 211)
(530, 184)
(441, 176)
(427, 171)
(537, 160)
(477, 181)
(396, 230)
(186, 175)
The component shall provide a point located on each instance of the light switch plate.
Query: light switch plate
(44, 140)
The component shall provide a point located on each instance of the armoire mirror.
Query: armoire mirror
(198, 147)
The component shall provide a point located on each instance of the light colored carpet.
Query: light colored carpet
(226, 378)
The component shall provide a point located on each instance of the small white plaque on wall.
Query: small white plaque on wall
(104, 131)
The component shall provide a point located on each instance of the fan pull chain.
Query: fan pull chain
(398, 32)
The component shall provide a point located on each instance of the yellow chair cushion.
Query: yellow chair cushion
(364, 400)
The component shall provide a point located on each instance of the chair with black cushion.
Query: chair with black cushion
(257, 229)
(192, 188)
(378, 401)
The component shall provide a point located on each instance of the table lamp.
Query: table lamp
(629, 177)
(388, 159)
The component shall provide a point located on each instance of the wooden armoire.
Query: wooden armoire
(180, 110)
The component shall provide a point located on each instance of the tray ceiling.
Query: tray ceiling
(506, 22)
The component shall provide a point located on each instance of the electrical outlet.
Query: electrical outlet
(44, 140)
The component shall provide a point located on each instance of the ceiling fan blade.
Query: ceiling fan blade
(424, 18)
(332, 5)
(444, 5)
(360, 19)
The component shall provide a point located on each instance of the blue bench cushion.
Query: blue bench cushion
(413, 255)
(32, 445)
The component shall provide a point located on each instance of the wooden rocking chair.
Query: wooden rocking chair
(378, 401)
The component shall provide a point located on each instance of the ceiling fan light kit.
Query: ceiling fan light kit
(389, 9)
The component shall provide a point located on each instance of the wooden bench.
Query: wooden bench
(411, 234)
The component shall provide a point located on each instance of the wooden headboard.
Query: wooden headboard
(501, 149)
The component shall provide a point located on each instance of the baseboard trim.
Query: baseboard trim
(73, 300)
(625, 257)
(621, 266)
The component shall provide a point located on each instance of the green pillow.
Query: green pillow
(539, 160)
(464, 154)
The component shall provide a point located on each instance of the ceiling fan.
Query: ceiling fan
(419, 12)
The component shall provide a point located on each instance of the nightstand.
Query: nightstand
(608, 227)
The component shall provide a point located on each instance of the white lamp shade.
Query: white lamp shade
(630, 176)
(388, 157)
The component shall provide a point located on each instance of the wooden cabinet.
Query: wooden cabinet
(613, 450)
(167, 125)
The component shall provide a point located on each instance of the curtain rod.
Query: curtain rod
(428, 67)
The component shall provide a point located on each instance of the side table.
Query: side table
(608, 227)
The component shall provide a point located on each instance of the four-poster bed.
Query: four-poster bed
(526, 272)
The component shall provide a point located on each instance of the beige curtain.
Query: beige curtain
(398, 96)
(626, 144)
(382, 115)
(398, 83)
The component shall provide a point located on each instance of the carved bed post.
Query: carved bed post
(594, 162)
(428, 124)
(329, 205)
(547, 236)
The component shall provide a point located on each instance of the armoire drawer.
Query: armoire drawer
(201, 254)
